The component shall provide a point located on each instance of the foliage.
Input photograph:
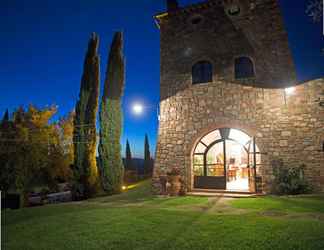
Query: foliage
(128, 158)
(85, 138)
(31, 152)
(62, 169)
(289, 180)
(131, 173)
(148, 161)
(314, 10)
(7, 174)
(110, 160)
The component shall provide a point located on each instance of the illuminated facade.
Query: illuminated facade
(226, 109)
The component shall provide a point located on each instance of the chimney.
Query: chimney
(172, 5)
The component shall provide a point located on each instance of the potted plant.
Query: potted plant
(174, 178)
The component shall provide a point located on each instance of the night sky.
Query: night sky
(43, 43)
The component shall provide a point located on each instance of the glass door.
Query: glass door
(211, 174)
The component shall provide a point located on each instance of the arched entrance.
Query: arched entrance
(226, 159)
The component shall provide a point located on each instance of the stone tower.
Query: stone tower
(225, 65)
(220, 32)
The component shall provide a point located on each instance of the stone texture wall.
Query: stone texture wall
(290, 127)
(257, 32)
(286, 127)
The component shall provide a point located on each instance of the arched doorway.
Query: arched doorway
(226, 159)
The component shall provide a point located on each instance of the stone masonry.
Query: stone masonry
(289, 127)
(286, 127)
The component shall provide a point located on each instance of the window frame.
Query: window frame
(225, 133)
(252, 63)
(204, 76)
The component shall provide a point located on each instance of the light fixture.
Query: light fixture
(290, 90)
(138, 108)
(124, 187)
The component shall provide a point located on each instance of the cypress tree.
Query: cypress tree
(85, 167)
(6, 116)
(128, 158)
(110, 159)
(147, 157)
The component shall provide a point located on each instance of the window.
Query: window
(225, 159)
(202, 72)
(244, 68)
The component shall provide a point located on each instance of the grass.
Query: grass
(138, 220)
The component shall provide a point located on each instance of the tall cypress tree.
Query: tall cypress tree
(147, 157)
(110, 159)
(128, 159)
(6, 116)
(85, 167)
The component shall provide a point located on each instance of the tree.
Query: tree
(314, 10)
(33, 151)
(62, 153)
(148, 164)
(6, 117)
(6, 169)
(110, 160)
(131, 174)
(128, 158)
(29, 145)
(85, 166)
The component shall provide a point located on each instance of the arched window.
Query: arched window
(202, 72)
(225, 159)
(244, 68)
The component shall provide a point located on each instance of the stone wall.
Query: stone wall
(257, 32)
(290, 127)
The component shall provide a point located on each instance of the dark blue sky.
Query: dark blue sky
(42, 47)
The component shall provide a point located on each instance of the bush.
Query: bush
(289, 180)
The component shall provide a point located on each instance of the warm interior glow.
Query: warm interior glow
(138, 108)
(124, 187)
(290, 91)
(227, 156)
(239, 136)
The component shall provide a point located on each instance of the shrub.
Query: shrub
(289, 180)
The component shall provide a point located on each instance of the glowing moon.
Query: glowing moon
(138, 108)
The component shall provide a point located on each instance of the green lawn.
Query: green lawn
(138, 220)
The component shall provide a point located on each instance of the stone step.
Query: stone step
(201, 190)
(226, 194)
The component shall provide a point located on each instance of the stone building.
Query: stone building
(230, 103)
